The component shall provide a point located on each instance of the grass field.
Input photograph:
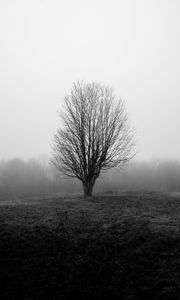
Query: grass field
(123, 246)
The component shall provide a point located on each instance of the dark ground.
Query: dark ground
(109, 247)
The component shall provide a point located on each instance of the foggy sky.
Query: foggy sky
(45, 46)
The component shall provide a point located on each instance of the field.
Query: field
(124, 246)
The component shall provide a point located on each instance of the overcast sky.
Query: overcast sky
(45, 46)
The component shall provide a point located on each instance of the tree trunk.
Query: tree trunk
(88, 188)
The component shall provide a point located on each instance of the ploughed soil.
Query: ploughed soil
(124, 246)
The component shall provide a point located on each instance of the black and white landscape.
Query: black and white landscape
(89, 149)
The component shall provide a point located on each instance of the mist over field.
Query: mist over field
(34, 176)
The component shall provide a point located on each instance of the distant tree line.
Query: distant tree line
(34, 176)
(159, 175)
(30, 177)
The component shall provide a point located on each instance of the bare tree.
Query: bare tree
(95, 135)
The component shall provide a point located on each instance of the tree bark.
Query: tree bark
(88, 189)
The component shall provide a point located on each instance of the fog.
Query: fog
(46, 45)
(38, 176)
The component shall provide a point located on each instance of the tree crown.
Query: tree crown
(95, 135)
